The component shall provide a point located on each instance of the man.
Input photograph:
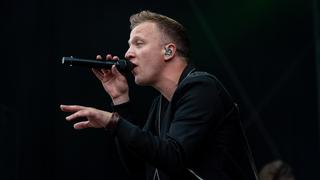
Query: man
(192, 131)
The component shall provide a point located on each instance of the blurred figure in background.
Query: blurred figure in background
(276, 170)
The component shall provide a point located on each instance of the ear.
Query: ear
(169, 51)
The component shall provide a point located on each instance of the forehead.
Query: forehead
(146, 29)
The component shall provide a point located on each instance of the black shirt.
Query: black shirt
(195, 135)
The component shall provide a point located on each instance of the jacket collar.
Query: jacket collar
(189, 69)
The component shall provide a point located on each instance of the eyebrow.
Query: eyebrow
(135, 39)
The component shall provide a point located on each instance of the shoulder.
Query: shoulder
(198, 84)
(198, 79)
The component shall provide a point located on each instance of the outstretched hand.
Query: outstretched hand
(93, 118)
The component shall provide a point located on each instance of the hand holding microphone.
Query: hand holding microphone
(121, 64)
(112, 79)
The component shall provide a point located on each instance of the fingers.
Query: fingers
(106, 71)
(115, 71)
(101, 73)
(89, 117)
(110, 57)
(78, 111)
(89, 124)
(97, 73)
(96, 70)
(78, 114)
(82, 125)
(99, 57)
(71, 108)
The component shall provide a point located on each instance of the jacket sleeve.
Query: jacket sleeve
(129, 159)
(196, 106)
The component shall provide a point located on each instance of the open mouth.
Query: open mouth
(133, 67)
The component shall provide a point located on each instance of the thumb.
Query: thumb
(115, 71)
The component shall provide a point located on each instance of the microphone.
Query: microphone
(121, 64)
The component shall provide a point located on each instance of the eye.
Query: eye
(139, 43)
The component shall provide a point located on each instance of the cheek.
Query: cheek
(150, 60)
(149, 70)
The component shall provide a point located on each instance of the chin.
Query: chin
(140, 82)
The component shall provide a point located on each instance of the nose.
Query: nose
(129, 54)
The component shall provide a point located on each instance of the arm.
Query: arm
(197, 108)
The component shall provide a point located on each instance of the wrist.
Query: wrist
(113, 121)
(120, 99)
(112, 125)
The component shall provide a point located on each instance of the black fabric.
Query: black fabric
(199, 131)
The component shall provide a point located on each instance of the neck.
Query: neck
(170, 76)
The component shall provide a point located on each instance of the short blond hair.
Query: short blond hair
(170, 28)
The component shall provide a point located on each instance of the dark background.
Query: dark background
(266, 52)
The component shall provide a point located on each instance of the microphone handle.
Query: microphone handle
(71, 61)
(121, 64)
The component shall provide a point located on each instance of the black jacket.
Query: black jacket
(196, 135)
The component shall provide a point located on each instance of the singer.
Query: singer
(193, 130)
